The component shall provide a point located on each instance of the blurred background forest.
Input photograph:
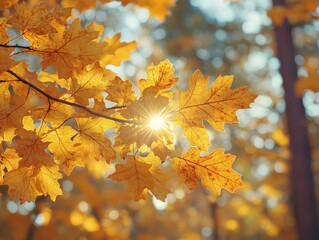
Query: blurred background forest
(218, 37)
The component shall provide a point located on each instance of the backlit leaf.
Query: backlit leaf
(213, 170)
(217, 104)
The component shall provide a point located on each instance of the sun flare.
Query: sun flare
(156, 122)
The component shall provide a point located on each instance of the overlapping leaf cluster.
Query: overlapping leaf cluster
(55, 119)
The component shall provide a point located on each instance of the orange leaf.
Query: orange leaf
(115, 51)
(218, 105)
(120, 92)
(214, 170)
(26, 183)
(159, 78)
(142, 174)
(69, 50)
(33, 21)
(137, 174)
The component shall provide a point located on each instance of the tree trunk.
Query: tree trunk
(214, 214)
(301, 172)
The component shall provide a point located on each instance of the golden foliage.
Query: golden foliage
(214, 170)
(58, 118)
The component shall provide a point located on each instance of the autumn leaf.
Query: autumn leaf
(36, 174)
(115, 52)
(6, 128)
(31, 148)
(137, 174)
(70, 50)
(66, 148)
(5, 54)
(26, 183)
(12, 109)
(55, 113)
(159, 175)
(46, 77)
(217, 105)
(9, 160)
(5, 61)
(87, 84)
(32, 22)
(22, 184)
(159, 78)
(120, 92)
(91, 135)
(142, 173)
(214, 170)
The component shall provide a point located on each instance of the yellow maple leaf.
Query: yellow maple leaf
(137, 174)
(5, 60)
(22, 184)
(160, 176)
(91, 136)
(218, 105)
(163, 148)
(26, 183)
(53, 78)
(60, 14)
(87, 84)
(36, 174)
(6, 127)
(65, 147)
(159, 78)
(70, 50)
(12, 110)
(120, 91)
(31, 148)
(54, 113)
(143, 174)
(33, 21)
(9, 160)
(4, 38)
(115, 52)
(214, 170)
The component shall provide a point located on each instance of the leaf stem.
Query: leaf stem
(68, 103)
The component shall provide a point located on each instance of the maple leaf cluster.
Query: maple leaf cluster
(60, 117)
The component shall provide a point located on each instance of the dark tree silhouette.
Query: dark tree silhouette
(301, 171)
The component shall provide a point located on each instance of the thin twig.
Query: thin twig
(66, 102)
(16, 46)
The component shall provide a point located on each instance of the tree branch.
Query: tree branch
(16, 46)
(68, 103)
